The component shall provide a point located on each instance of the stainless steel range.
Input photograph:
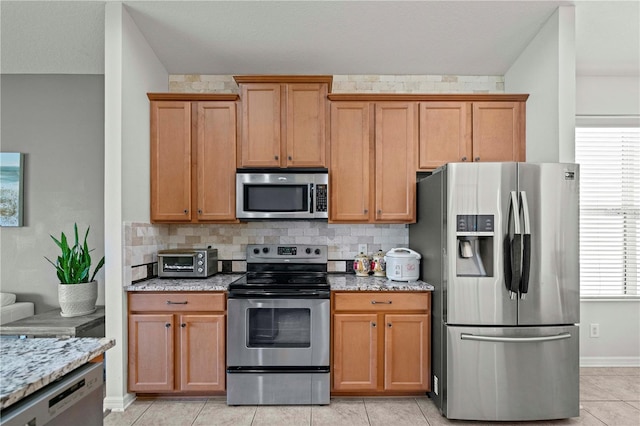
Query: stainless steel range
(278, 328)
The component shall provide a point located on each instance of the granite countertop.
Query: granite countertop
(351, 282)
(28, 365)
(338, 282)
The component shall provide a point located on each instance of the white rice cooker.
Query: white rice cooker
(403, 264)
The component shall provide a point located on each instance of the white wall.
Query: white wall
(546, 70)
(131, 70)
(619, 341)
(57, 121)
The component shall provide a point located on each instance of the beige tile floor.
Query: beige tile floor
(608, 396)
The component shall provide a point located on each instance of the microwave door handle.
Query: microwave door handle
(177, 255)
(311, 198)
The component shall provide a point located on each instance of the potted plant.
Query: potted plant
(77, 291)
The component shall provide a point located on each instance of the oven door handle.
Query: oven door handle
(279, 295)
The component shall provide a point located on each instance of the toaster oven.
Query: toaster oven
(187, 263)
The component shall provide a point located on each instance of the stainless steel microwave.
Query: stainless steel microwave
(282, 195)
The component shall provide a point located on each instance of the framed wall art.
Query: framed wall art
(11, 188)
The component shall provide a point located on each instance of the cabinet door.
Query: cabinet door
(151, 352)
(216, 161)
(445, 134)
(261, 125)
(170, 161)
(355, 360)
(306, 125)
(498, 131)
(351, 160)
(395, 146)
(202, 352)
(407, 352)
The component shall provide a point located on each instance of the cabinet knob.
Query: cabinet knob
(186, 211)
(199, 211)
(276, 157)
(373, 324)
(289, 157)
(464, 158)
(366, 211)
(379, 211)
(389, 325)
(183, 325)
(167, 325)
(477, 159)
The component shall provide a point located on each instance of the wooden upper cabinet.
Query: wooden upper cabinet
(306, 125)
(284, 121)
(193, 157)
(372, 169)
(445, 133)
(261, 123)
(216, 161)
(170, 161)
(471, 128)
(396, 139)
(498, 131)
(351, 159)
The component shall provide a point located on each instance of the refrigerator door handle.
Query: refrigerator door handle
(526, 246)
(479, 338)
(513, 249)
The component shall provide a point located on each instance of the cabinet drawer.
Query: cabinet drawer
(176, 302)
(382, 301)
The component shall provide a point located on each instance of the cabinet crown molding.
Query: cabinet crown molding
(192, 97)
(440, 97)
(241, 79)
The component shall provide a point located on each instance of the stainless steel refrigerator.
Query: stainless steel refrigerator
(499, 242)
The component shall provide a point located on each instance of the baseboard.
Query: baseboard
(609, 361)
(117, 403)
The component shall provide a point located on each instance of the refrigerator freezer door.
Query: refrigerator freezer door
(478, 189)
(553, 296)
(512, 373)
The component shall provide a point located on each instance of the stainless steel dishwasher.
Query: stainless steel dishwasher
(73, 400)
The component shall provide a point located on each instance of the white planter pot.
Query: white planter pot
(77, 299)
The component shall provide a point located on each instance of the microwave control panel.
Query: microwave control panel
(321, 198)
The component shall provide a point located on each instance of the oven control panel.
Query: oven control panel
(281, 253)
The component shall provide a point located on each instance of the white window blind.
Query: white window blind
(609, 159)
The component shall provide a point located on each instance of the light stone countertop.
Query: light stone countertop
(28, 365)
(351, 282)
(338, 282)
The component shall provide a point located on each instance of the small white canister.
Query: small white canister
(403, 264)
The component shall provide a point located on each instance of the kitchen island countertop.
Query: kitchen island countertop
(338, 282)
(30, 364)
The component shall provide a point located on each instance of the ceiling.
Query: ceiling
(317, 37)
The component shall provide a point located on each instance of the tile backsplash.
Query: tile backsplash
(143, 240)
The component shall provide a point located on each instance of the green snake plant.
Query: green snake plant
(73, 264)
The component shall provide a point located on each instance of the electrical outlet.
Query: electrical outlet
(594, 330)
(362, 248)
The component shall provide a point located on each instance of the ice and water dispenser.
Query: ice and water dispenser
(474, 235)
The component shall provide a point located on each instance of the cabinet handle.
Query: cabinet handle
(477, 159)
(373, 324)
(464, 158)
(375, 302)
(169, 302)
(186, 211)
(167, 325)
(276, 157)
(183, 325)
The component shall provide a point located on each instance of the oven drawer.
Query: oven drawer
(382, 301)
(176, 301)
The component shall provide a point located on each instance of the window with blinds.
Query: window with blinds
(609, 159)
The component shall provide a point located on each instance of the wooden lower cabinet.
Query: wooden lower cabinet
(381, 343)
(179, 350)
